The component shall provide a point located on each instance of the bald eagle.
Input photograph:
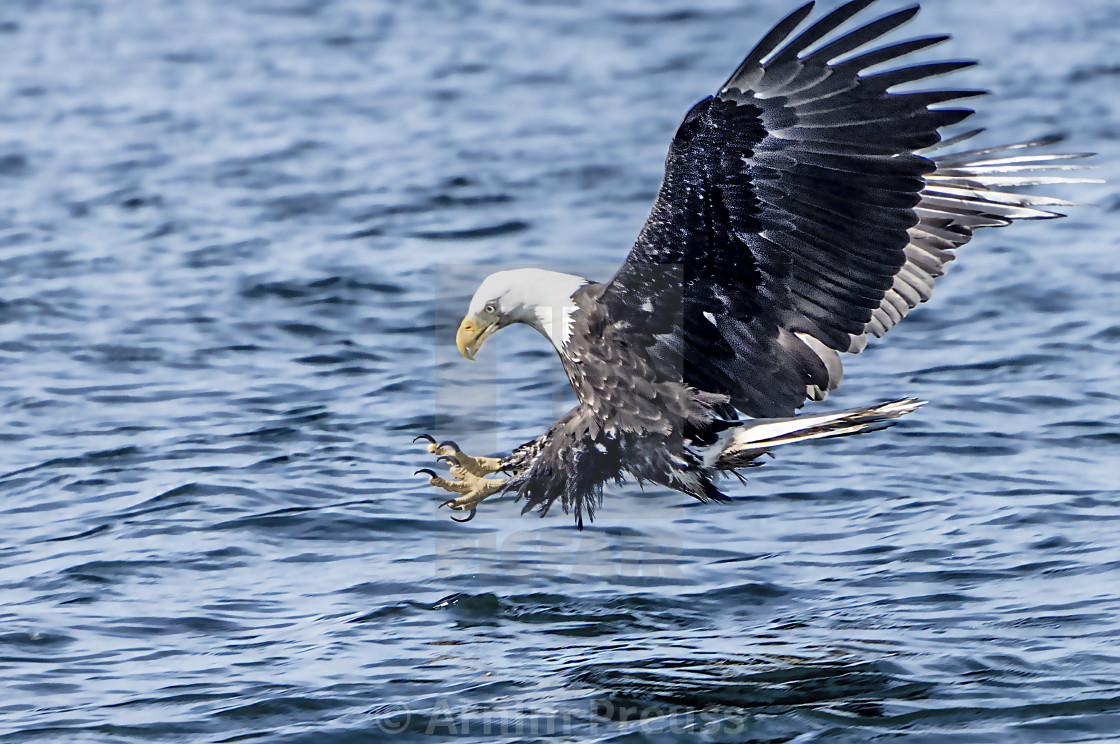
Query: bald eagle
(805, 206)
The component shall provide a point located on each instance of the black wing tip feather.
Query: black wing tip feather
(865, 34)
(778, 34)
(777, 47)
(771, 41)
(820, 29)
(914, 73)
(897, 18)
(895, 50)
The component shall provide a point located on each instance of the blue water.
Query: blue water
(235, 238)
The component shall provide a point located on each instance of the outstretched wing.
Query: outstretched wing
(802, 214)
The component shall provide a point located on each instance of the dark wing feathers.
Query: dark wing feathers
(862, 36)
(771, 40)
(803, 207)
(816, 32)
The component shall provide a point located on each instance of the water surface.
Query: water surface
(234, 240)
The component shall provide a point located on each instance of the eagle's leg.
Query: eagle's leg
(469, 473)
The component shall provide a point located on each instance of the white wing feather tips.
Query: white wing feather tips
(963, 195)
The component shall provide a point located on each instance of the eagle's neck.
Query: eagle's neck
(544, 301)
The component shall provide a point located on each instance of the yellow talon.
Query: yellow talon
(469, 473)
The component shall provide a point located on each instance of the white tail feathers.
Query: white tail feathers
(745, 443)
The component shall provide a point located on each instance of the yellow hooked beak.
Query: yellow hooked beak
(471, 334)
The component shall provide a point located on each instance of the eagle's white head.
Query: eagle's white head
(536, 297)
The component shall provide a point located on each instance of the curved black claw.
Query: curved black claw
(429, 437)
(429, 473)
(468, 518)
(450, 444)
(449, 459)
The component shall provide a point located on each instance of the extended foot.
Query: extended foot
(477, 466)
(469, 473)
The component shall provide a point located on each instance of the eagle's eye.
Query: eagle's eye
(490, 308)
